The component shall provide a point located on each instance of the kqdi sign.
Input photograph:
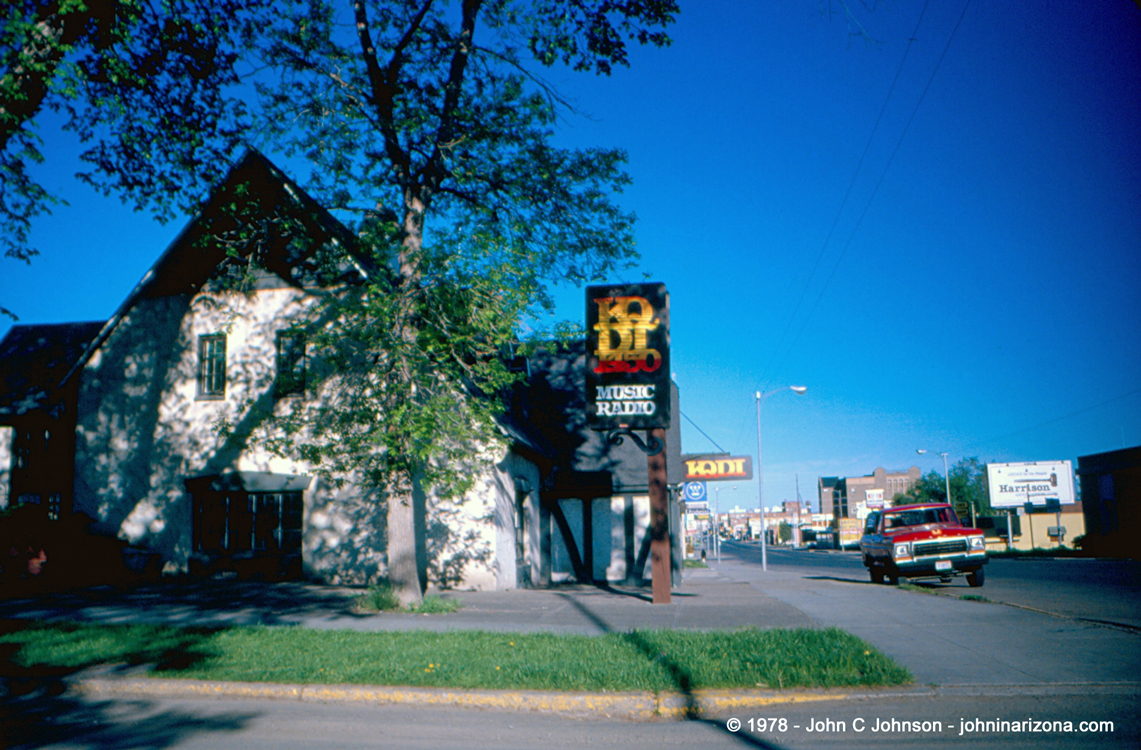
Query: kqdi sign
(627, 356)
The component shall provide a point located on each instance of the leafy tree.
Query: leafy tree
(131, 69)
(432, 117)
(930, 488)
(458, 130)
(968, 484)
(426, 124)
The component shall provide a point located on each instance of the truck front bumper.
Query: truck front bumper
(940, 567)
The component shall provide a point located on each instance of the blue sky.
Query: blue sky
(976, 292)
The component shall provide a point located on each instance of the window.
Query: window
(212, 366)
(920, 517)
(23, 450)
(242, 522)
(290, 364)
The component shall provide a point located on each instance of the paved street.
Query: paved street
(155, 724)
(1090, 589)
(946, 640)
(1046, 659)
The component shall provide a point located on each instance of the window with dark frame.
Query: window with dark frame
(227, 522)
(290, 379)
(212, 366)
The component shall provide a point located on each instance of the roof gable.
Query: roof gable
(255, 213)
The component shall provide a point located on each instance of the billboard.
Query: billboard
(717, 467)
(627, 356)
(874, 499)
(1014, 485)
(851, 529)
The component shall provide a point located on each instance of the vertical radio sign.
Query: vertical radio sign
(628, 356)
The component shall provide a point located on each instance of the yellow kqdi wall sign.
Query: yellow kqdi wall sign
(717, 467)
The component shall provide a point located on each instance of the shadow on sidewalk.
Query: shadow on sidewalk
(679, 675)
(220, 602)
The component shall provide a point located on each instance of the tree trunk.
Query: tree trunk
(403, 548)
(406, 524)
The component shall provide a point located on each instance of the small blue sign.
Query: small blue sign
(694, 491)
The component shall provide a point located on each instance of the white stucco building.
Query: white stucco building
(146, 417)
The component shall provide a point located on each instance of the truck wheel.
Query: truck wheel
(892, 576)
(976, 579)
(877, 574)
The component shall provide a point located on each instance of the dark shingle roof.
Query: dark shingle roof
(34, 360)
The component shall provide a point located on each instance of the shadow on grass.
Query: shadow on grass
(679, 675)
(38, 710)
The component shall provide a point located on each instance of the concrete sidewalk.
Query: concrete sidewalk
(955, 644)
(948, 641)
(705, 601)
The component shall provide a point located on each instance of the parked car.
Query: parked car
(922, 541)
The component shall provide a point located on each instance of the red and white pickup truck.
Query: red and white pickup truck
(922, 541)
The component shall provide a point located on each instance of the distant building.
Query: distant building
(827, 491)
(852, 497)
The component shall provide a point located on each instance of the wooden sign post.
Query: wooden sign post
(660, 557)
(628, 388)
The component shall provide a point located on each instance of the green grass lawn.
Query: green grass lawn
(654, 660)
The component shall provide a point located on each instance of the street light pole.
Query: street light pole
(798, 390)
(947, 479)
(717, 525)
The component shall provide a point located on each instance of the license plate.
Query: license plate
(943, 565)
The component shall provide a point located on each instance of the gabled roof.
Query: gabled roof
(34, 360)
(254, 190)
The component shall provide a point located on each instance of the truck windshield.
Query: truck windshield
(917, 517)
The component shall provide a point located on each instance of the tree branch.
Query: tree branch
(383, 95)
(434, 170)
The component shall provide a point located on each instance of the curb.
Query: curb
(637, 706)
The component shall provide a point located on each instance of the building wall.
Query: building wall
(143, 430)
(849, 495)
(1111, 500)
(472, 541)
(1035, 529)
(517, 480)
(620, 525)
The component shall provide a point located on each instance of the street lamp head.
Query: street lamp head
(798, 389)
(920, 450)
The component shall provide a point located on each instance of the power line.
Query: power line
(848, 192)
(1055, 419)
(703, 432)
(887, 166)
